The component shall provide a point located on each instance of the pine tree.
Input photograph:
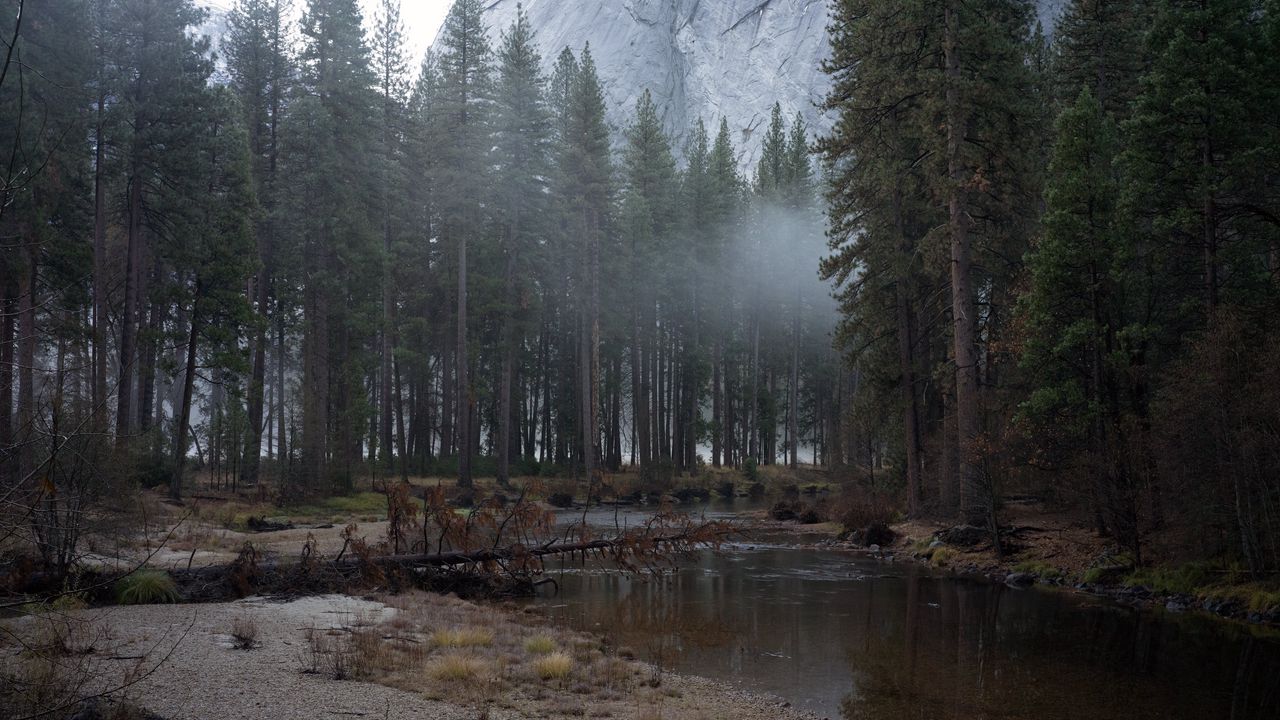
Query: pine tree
(585, 170)
(465, 107)
(327, 156)
(1076, 313)
(648, 212)
(390, 68)
(256, 50)
(522, 137)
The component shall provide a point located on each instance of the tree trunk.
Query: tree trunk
(25, 432)
(99, 271)
(717, 408)
(124, 387)
(793, 401)
(464, 386)
(974, 500)
(315, 390)
(910, 413)
(182, 419)
(8, 330)
(257, 384)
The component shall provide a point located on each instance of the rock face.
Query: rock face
(699, 58)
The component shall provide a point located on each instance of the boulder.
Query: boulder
(1019, 579)
(965, 535)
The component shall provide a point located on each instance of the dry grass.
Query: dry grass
(555, 666)
(244, 633)
(540, 645)
(464, 637)
(458, 667)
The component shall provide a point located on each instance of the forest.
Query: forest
(297, 324)
(305, 258)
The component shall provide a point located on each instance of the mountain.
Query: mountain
(699, 58)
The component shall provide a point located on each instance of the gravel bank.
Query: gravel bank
(205, 676)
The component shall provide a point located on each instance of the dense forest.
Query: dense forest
(1058, 263)
(305, 258)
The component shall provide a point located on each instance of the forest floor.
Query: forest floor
(413, 655)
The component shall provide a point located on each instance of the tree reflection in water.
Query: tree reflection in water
(836, 633)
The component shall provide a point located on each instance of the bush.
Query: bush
(751, 470)
(786, 510)
(146, 587)
(857, 508)
(560, 500)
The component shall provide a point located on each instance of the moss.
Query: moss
(146, 587)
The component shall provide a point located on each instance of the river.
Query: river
(846, 635)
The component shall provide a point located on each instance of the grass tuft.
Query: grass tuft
(462, 637)
(456, 667)
(146, 587)
(554, 666)
(540, 645)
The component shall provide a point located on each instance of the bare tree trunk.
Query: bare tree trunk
(315, 390)
(8, 330)
(400, 437)
(717, 408)
(182, 419)
(25, 434)
(508, 366)
(99, 270)
(753, 411)
(257, 382)
(793, 409)
(388, 350)
(282, 453)
(124, 388)
(464, 386)
(910, 413)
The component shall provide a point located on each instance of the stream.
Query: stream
(845, 635)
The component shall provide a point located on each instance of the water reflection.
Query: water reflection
(839, 634)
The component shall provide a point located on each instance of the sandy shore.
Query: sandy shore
(203, 675)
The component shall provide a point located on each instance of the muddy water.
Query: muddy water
(847, 636)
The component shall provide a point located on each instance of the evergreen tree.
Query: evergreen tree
(256, 50)
(522, 137)
(327, 155)
(464, 110)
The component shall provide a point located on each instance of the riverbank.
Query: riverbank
(415, 655)
(1049, 548)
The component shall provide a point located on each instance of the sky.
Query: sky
(422, 19)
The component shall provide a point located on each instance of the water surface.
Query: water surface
(845, 635)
